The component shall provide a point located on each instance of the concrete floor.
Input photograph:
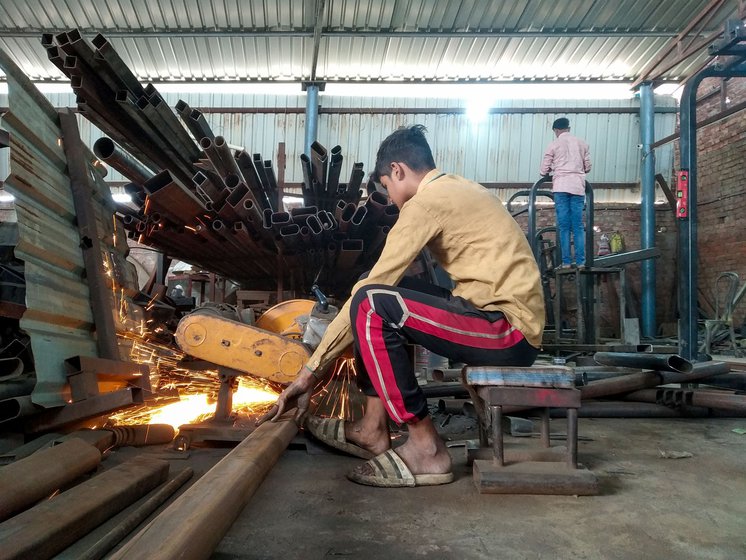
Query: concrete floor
(650, 507)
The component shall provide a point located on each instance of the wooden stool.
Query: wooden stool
(553, 470)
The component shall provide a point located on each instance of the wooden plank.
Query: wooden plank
(50, 527)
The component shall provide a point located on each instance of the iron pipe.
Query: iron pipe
(299, 215)
(198, 125)
(229, 163)
(339, 209)
(314, 224)
(335, 167)
(16, 407)
(17, 387)
(113, 155)
(353, 185)
(659, 362)
(647, 379)
(182, 138)
(309, 198)
(146, 434)
(376, 206)
(105, 52)
(357, 220)
(390, 215)
(208, 190)
(722, 400)
(251, 177)
(345, 220)
(350, 253)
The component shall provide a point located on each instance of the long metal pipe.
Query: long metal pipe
(723, 400)
(647, 218)
(112, 154)
(648, 379)
(16, 407)
(623, 409)
(661, 362)
(210, 506)
(312, 116)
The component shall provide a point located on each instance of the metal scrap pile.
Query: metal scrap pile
(213, 205)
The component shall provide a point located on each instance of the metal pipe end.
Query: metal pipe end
(679, 364)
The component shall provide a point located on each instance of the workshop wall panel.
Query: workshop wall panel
(505, 146)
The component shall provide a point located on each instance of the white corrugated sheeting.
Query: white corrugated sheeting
(503, 148)
(270, 40)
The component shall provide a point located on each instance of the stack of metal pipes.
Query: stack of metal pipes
(321, 173)
(214, 205)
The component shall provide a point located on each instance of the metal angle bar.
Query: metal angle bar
(663, 53)
(89, 408)
(82, 191)
(318, 28)
(198, 125)
(427, 110)
(615, 259)
(181, 137)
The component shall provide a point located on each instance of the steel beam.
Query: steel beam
(312, 116)
(53, 525)
(28, 480)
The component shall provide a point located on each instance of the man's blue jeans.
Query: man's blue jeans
(569, 208)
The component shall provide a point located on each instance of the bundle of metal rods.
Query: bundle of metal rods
(321, 172)
(202, 201)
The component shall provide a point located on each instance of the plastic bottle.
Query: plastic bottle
(603, 245)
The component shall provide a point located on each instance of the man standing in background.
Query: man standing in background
(569, 158)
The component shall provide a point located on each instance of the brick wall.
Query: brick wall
(721, 191)
(625, 219)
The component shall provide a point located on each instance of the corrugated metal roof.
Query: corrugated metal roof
(365, 39)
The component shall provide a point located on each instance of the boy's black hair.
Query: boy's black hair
(406, 145)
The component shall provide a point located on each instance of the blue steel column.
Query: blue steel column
(312, 116)
(647, 222)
